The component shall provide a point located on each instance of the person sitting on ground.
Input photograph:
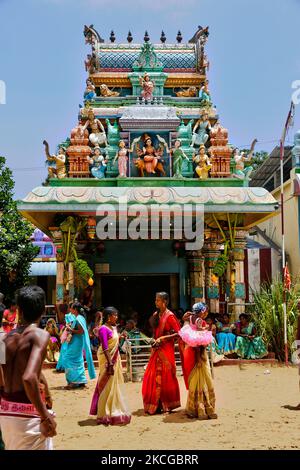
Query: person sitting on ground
(217, 356)
(248, 344)
(179, 314)
(25, 421)
(132, 334)
(225, 337)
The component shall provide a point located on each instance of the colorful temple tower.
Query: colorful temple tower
(148, 141)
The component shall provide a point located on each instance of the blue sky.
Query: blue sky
(253, 48)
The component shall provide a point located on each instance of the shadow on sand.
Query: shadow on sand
(177, 417)
(139, 413)
(292, 408)
(88, 422)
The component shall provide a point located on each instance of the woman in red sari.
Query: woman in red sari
(160, 386)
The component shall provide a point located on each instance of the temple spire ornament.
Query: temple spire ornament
(148, 60)
(163, 37)
(179, 37)
(129, 37)
(112, 37)
(146, 37)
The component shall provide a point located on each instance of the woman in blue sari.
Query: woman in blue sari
(73, 356)
(69, 318)
(225, 338)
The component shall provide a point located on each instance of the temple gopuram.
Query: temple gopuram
(148, 135)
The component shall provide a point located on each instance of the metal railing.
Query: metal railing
(138, 356)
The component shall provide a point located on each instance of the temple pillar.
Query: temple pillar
(196, 276)
(71, 284)
(236, 275)
(59, 282)
(212, 251)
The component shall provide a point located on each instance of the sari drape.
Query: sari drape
(160, 388)
(73, 356)
(201, 396)
(108, 402)
(247, 348)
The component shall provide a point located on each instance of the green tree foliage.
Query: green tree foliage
(16, 249)
(269, 316)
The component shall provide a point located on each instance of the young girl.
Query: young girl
(195, 332)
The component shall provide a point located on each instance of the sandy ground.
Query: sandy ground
(250, 406)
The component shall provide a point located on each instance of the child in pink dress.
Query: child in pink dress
(195, 332)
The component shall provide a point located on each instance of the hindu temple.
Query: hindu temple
(148, 135)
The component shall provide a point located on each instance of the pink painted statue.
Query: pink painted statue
(147, 86)
(122, 156)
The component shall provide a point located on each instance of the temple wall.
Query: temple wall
(144, 257)
(272, 228)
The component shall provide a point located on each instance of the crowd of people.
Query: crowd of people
(26, 417)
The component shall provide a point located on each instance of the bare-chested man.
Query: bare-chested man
(25, 421)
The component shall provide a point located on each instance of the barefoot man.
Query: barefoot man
(25, 421)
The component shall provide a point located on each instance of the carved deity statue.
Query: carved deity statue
(178, 156)
(201, 130)
(122, 157)
(98, 163)
(188, 92)
(204, 94)
(105, 91)
(91, 63)
(89, 93)
(202, 163)
(147, 87)
(240, 158)
(97, 136)
(60, 160)
(150, 158)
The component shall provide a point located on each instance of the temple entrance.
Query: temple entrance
(131, 293)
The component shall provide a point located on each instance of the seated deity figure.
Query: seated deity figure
(89, 93)
(240, 158)
(98, 136)
(203, 164)
(147, 87)
(60, 160)
(204, 94)
(105, 91)
(98, 163)
(201, 130)
(150, 155)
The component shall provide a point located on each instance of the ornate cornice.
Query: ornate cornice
(144, 195)
(120, 79)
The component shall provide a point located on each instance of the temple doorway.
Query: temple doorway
(136, 293)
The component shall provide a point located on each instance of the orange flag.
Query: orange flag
(287, 278)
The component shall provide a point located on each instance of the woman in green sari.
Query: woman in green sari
(248, 345)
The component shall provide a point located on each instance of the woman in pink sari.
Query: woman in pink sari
(160, 385)
(108, 402)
